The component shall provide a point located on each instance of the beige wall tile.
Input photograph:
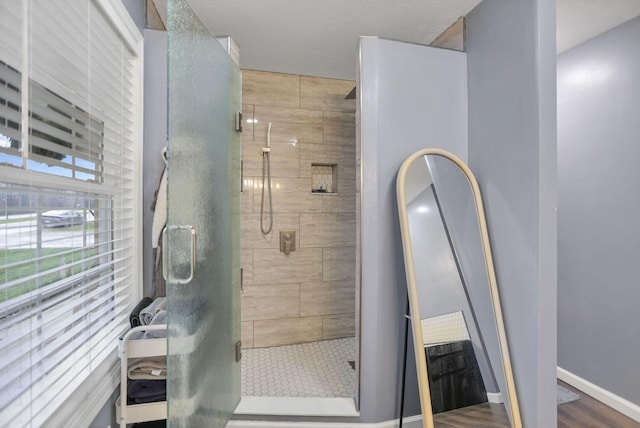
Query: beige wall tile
(272, 89)
(286, 331)
(246, 334)
(311, 123)
(327, 298)
(337, 326)
(246, 197)
(263, 302)
(288, 125)
(284, 159)
(339, 128)
(247, 122)
(246, 262)
(290, 195)
(327, 229)
(347, 186)
(347, 180)
(339, 203)
(326, 94)
(338, 264)
(272, 266)
(252, 237)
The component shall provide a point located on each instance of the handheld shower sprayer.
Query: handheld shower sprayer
(266, 150)
(266, 173)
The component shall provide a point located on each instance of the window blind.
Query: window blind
(69, 197)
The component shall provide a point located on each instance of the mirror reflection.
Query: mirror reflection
(455, 311)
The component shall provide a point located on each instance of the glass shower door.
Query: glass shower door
(202, 234)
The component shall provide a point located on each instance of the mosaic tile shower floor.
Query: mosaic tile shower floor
(316, 369)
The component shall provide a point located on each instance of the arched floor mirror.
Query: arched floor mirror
(460, 345)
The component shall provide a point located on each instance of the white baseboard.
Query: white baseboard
(410, 422)
(495, 397)
(622, 405)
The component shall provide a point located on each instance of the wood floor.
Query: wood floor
(588, 412)
(584, 413)
(484, 415)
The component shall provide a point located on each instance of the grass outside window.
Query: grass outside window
(49, 259)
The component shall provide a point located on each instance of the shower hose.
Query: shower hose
(266, 173)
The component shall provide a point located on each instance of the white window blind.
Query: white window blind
(69, 197)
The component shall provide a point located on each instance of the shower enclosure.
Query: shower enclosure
(304, 299)
(201, 252)
(298, 301)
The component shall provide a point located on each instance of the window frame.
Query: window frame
(87, 394)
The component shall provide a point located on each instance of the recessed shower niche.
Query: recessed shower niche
(324, 178)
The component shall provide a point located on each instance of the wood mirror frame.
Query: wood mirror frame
(511, 402)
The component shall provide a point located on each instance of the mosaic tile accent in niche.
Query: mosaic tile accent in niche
(324, 178)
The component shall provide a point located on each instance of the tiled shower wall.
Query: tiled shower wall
(309, 294)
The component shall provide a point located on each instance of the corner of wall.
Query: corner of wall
(512, 151)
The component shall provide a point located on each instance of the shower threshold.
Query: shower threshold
(297, 406)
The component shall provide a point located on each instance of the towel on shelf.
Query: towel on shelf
(159, 318)
(149, 368)
(147, 391)
(152, 399)
(134, 317)
(147, 314)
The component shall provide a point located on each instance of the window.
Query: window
(64, 139)
(69, 198)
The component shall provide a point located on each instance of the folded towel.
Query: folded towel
(134, 317)
(160, 318)
(154, 399)
(149, 399)
(150, 368)
(147, 314)
(147, 391)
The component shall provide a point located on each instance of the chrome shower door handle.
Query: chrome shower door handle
(193, 258)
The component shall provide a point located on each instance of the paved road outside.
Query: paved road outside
(23, 234)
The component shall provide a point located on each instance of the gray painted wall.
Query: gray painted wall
(137, 10)
(512, 152)
(599, 207)
(412, 97)
(155, 136)
(107, 415)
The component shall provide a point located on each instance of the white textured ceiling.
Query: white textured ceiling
(320, 37)
(581, 20)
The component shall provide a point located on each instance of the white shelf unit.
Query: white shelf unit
(139, 348)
